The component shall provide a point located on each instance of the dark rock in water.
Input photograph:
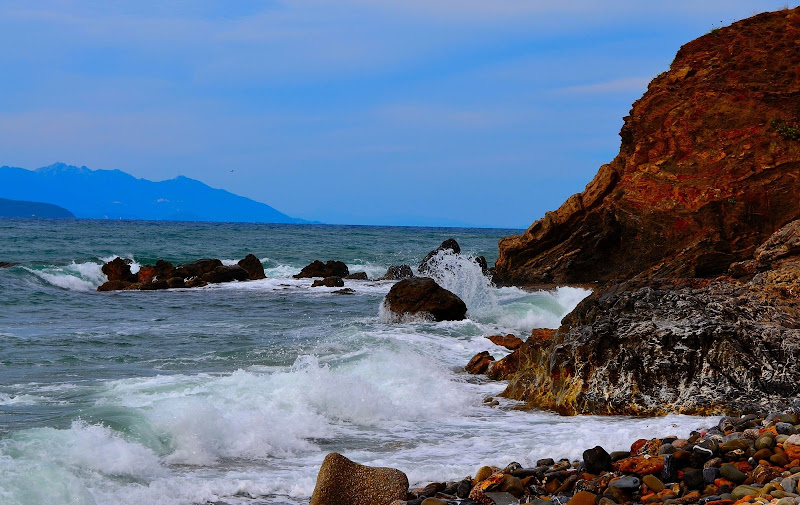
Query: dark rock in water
(479, 363)
(597, 460)
(342, 482)
(119, 269)
(448, 245)
(510, 341)
(154, 285)
(421, 295)
(253, 266)
(197, 268)
(397, 273)
(226, 274)
(114, 286)
(176, 282)
(162, 270)
(195, 282)
(320, 269)
(358, 276)
(345, 291)
(481, 261)
(6, 264)
(330, 282)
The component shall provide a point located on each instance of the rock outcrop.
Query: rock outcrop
(695, 346)
(163, 275)
(329, 282)
(422, 296)
(343, 482)
(397, 273)
(253, 266)
(707, 169)
(448, 245)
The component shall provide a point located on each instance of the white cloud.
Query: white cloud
(623, 85)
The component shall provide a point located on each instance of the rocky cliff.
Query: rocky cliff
(693, 238)
(708, 168)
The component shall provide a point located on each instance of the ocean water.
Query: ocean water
(234, 393)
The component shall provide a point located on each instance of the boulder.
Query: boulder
(423, 296)
(505, 368)
(253, 267)
(119, 269)
(358, 276)
(320, 269)
(448, 245)
(343, 482)
(226, 274)
(329, 282)
(705, 173)
(397, 273)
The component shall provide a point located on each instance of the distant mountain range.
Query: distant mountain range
(113, 194)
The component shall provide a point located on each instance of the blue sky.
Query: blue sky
(418, 112)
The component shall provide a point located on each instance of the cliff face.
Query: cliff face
(709, 167)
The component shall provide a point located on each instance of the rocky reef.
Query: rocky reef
(707, 169)
(690, 237)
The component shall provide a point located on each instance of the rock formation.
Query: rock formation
(253, 266)
(691, 235)
(707, 170)
(422, 296)
(448, 245)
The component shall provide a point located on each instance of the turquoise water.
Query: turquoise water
(234, 393)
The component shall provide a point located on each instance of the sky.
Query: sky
(389, 112)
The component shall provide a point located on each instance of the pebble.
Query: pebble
(733, 474)
(653, 483)
(627, 482)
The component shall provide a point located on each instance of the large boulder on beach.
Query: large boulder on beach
(253, 266)
(343, 482)
(422, 296)
(450, 245)
(320, 269)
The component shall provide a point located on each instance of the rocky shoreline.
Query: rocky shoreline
(746, 460)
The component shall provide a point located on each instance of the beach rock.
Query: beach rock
(226, 274)
(343, 482)
(358, 276)
(320, 269)
(119, 269)
(330, 282)
(450, 245)
(421, 295)
(704, 175)
(640, 465)
(792, 447)
(597, 460)
(397, 273)
(510, 342)
(479, 363)
(253, 266)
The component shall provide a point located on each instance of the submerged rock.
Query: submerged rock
(226, 274)
(330, 282)
(7, 264)
(358, 276)
(319, 269)
(423, 296)
(343, 482)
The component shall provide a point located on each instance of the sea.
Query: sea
(234, 393)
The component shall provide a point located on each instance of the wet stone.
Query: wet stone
(653, 483)
(710, 474)
(765, 442)
(596, 460)
(784, 429)
(627, 482)
(694, 479)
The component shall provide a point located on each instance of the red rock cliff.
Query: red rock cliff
(708, 168)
